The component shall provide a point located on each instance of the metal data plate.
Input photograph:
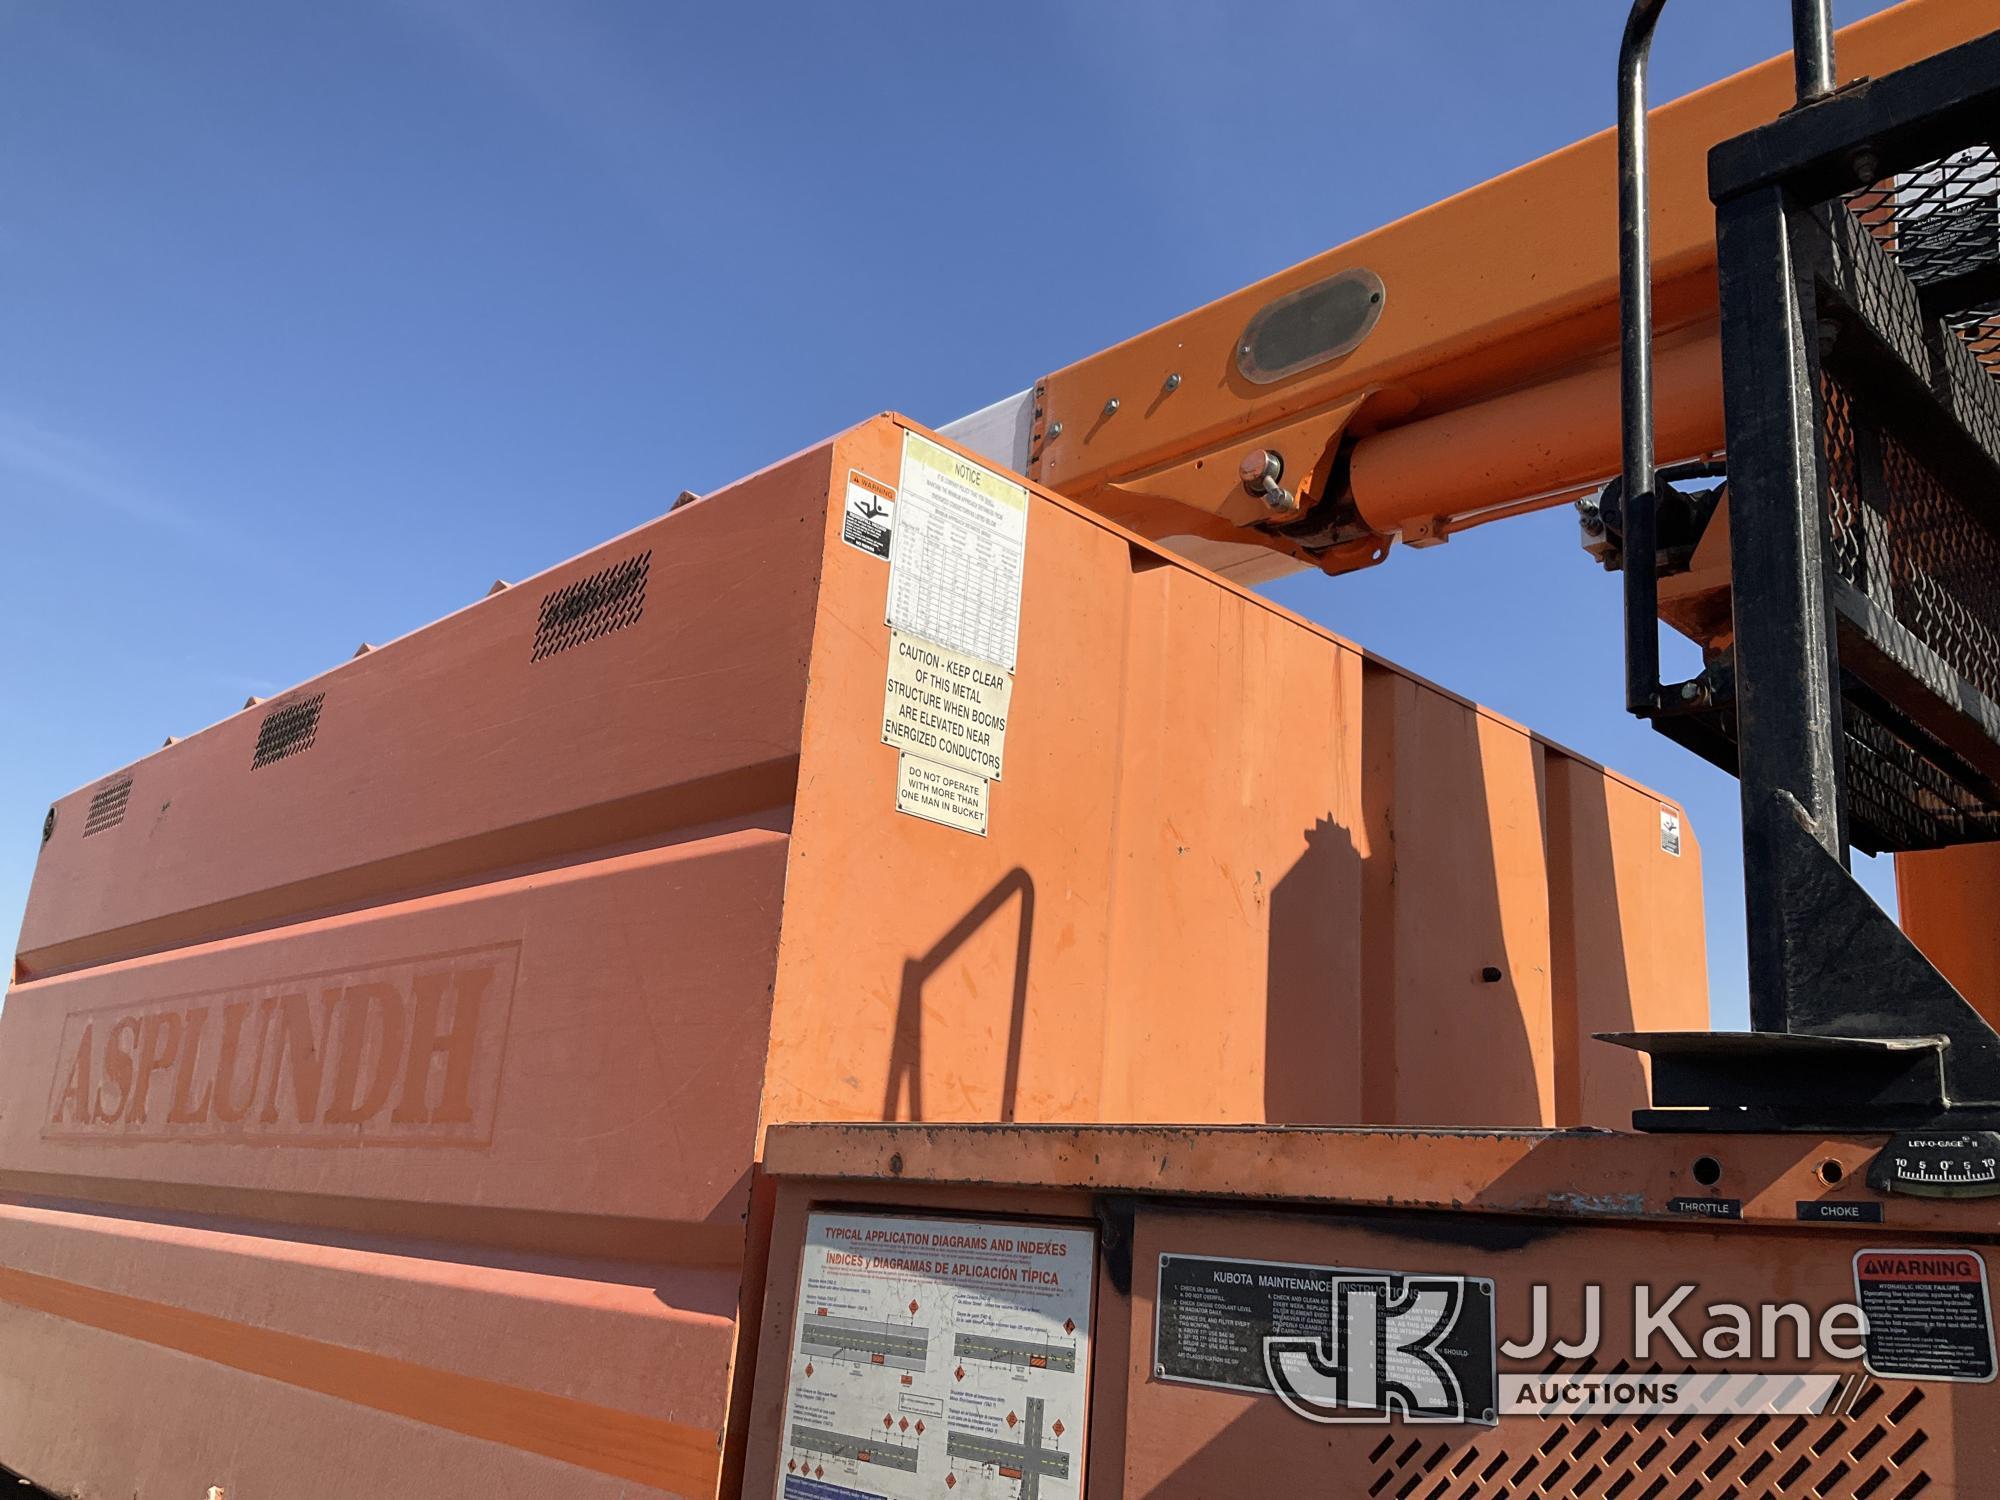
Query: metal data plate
(1939, 1164)
(1308, 327)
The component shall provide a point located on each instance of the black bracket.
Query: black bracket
(1863, 685)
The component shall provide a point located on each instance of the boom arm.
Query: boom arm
(1481, 380)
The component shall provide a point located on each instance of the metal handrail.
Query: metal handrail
(1813, 70)
(1635, 349)
(1812, 48)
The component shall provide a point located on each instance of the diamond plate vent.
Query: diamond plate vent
(287, 731)
(107, 807)
(607, 600)
(1873, 1452)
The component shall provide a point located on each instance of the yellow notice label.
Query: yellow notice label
(941, 794)
(956, 555)
(945, 706)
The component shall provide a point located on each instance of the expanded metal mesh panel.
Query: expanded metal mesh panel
(1941, 222)
(1848, 534)
(1979, 327)
(1899, 535)
(1906, 791)
(607, 600)
(1927, 557)
(1876, 1451)
(1943, 218)
(1944, 568)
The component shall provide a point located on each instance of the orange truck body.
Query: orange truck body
(406, 1083)
(1949, 901)
(384, 1074)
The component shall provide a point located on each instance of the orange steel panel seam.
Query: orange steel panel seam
(1543, 1173)
(647, 1450)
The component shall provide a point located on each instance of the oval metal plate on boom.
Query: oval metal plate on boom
(1310, 326)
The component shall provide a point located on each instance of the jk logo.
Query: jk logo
(1381, 1357)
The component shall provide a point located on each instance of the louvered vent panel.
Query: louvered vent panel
(287, 731)
(607, 600)
(107, 807)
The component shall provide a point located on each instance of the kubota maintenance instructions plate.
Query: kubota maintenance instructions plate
(938, 1357)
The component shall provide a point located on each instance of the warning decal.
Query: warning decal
(938, 1358)
(956, 553)
(869, 516)
(1928, 1314)
(941, 794)
(946, 706)
(1670, 831)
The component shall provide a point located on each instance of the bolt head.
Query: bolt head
(49, 826)
(1055, 429)
(1260, 466)
(1173, 382)
(1111, 407)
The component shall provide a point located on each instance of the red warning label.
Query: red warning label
(869, 515)
(1897, 1265)
(1928, 1314)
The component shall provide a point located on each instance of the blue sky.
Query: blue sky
(318, 318)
